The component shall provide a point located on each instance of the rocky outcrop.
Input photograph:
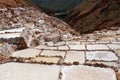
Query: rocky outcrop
(94, 15)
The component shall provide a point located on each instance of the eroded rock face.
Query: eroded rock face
(98, 14)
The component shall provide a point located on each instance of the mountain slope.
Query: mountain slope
(58, 4)
(94, 15)
(12, 3)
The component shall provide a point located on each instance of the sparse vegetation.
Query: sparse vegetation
(98, 14)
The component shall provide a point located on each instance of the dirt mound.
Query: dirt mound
(94, 15)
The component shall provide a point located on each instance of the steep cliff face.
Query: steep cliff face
(94, 15)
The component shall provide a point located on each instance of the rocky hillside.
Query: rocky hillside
(20, 20)
(14, 11)
(12, 3)
(58, 4)
(94, 15)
